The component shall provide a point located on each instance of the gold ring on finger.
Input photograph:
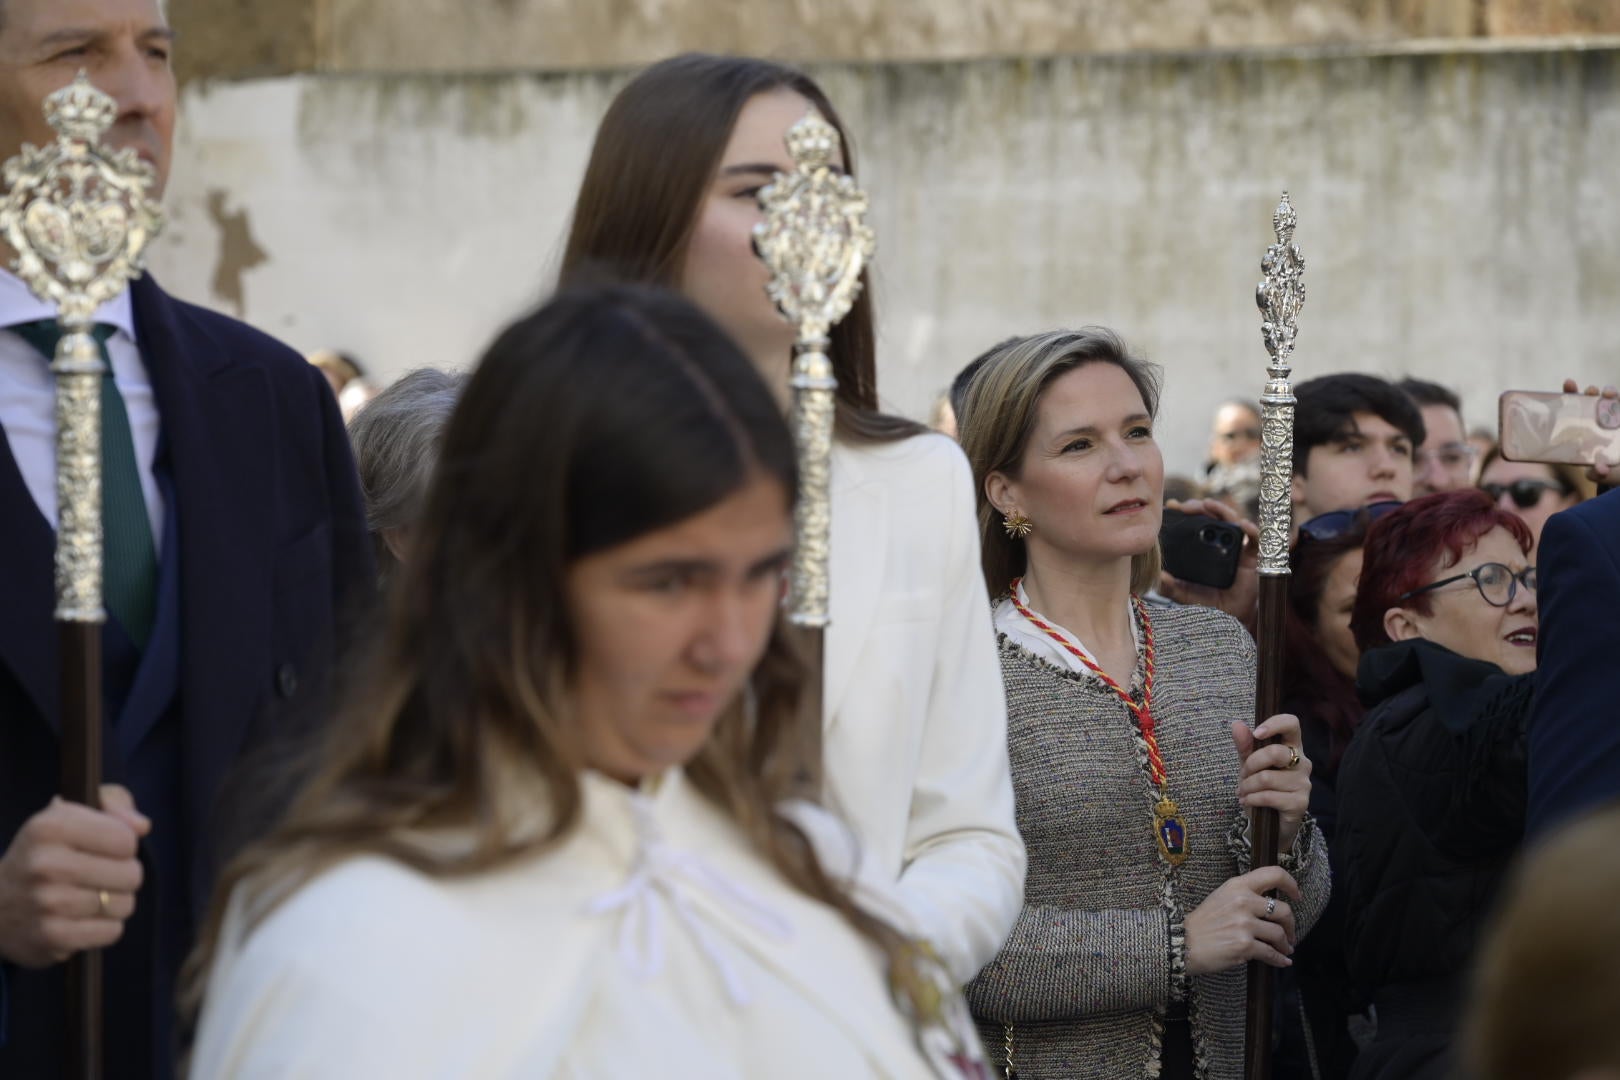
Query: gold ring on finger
(104, 899)
(1293, 757)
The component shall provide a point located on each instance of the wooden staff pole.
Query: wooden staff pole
(1280, 296)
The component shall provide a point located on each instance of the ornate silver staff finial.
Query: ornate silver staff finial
(815, 242)
(1280, 297)
(77, 216)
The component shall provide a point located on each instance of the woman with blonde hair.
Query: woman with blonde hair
(1134, 764)
(549, 836)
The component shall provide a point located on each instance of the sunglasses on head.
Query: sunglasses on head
(1525, 493)
(1336, 524)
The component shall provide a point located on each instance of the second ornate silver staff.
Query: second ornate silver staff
(815, 242)
(1280, 296)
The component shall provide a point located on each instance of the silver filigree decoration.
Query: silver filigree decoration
(815, 242)
(78, 480)
(78, 218)
(1280, 296)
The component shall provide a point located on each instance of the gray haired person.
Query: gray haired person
(396, 446)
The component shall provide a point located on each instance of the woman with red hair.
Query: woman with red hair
(1432, 787)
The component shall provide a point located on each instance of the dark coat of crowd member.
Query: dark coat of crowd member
(1319, 687)
(1432, 788)
(242, 529)
(1574, 738)
(1133, 760)
(1549, 971)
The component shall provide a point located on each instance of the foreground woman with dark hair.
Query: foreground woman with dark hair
(547, 837)
(1432, 788)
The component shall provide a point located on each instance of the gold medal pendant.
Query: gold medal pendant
(1170, 832)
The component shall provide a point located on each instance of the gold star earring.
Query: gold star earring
(1017, 525)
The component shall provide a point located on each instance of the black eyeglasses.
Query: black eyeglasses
(1526, 493)
(1496, 583)
(1333, 525)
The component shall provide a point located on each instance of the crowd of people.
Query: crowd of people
(468, 738)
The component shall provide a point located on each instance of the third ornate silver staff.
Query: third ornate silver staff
(1280, 296)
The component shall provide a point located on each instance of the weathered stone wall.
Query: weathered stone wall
(453, 35)
(246, 39)
(1458, 210)
(252, 38)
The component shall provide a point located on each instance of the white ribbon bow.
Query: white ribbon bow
(661, 871)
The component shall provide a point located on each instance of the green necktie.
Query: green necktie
(129, 557)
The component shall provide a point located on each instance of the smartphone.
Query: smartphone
(1200, 549)
(1563, 429)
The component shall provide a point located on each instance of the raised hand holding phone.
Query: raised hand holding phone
(1241, 597)
(1570, 428)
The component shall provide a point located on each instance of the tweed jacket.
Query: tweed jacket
(1098, 952)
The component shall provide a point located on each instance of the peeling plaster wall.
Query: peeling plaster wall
(1458, 211)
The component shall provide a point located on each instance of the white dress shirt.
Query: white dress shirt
(28, 397)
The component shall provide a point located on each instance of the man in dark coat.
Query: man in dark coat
(1575, 729)
(223, 597)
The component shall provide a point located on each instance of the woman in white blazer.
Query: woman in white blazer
(548, 836)
(914, 724)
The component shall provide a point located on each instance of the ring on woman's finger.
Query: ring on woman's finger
(1293, 757)
(1271, 907)
(104, 902)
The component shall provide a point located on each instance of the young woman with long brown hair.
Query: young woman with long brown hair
(549, 835)
(914, 743)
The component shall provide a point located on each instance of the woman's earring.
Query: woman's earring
(1017, 525)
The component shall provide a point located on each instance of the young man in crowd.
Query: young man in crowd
(1445, 461)
(1355, 439)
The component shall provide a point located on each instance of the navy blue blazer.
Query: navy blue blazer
(1574, 736)
(264, 550)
